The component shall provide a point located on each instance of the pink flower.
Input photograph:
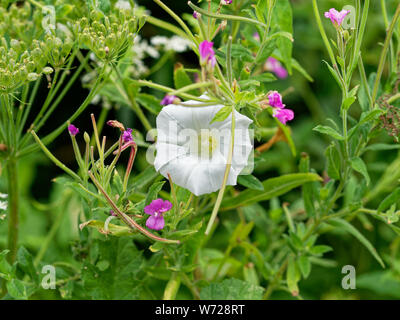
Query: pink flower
(226, 2)
(283, 115)
(207, 53)
(195, 14)
(279, 111)
(276, 67)
(256, 36)
(168, 100)
(127, 135)
(73, 131)
(156, 209)
(336, 16)
(275, 100)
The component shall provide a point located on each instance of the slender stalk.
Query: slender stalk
(177, 19)
(13, 219)
(226, 175)
(323, 34)
(125, 218)
(226, 16)
(384, 54)
(57, 162)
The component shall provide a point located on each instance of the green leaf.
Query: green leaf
(358, 165)
(250, 182)
(382, 147)
(292, 277)
(17, 289)
(5, 268)
(273, 187)
(329, 131)
(297, 66)
(307, 188)
(120, 279)
(348, 102)
(222, 114)
(25, 262)
(150, 102)
(305, 266)
(333, 162)
(346, 226)
(320, 250)
(232, 289)
(389, 200)
(334, 74)
(282, 17)
(113, 229)
(153, 191)
(182, 79)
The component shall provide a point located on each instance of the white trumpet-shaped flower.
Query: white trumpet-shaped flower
(194, 151)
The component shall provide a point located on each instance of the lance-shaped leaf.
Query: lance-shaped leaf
(273, 187)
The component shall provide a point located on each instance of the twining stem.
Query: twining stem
(125, 218)
(226, 175)
(384, 54)
(13, 219)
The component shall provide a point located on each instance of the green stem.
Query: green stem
(226, 175)
(177, 19)
(13, 204)
(323, 34)
(226, 16)
(172, 287)
(383, 55)
(57, 162)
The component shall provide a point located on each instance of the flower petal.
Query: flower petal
(155, 223)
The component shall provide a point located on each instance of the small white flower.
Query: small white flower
(3, 195)
(123, 5)
(195, 152)
(3, 205)
(175, 43)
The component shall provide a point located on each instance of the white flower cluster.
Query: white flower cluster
(175, 43)
(3, 205)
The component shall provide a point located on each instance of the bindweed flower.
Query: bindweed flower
(226, 2)
(279, 111)
(156, 209)
(207, 54)
(275, 100)
(194, 151)
(276, 67)
(168, 100)
(73, 131)
(127, 135)
(336, 16)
